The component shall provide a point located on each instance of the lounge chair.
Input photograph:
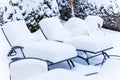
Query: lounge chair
(5, 49)
(34, 69)
(52, 52)
(53, 29)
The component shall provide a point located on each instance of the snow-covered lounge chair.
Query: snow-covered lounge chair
(4, 61)
(53, 29)
(37, 70)
(34, 69)
(5, 49)
(53, 52)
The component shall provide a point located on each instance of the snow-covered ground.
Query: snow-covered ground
(80, 65)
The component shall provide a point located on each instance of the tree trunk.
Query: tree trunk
(71, 7)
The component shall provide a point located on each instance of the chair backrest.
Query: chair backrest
(4, 46)
(17, 32)
(77, 26)
(4, 61)
(26, 68)
(52, 27)
(39, 35)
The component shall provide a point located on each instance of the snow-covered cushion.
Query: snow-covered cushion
(15, 31)
(90, 43)
(26, 68)
(39, 35)
(77, 26)
(52, 26)
(49, 50)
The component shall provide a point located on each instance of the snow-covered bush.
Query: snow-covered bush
(32, 11)
(109, 10)
(64, 9)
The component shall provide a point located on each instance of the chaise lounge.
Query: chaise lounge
(53, 29)
(52, 52)
(33, 69)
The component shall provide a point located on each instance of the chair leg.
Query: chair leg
(10, 77)
(85, 59)
(105, 56)
(70, 63)
(23, 53)
(48, 68)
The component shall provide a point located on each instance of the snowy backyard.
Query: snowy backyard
(36, 31)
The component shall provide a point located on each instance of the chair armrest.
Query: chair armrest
(13, 50)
